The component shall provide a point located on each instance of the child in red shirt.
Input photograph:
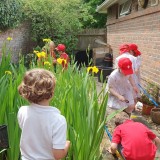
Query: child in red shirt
(61, 50)
(138, 142)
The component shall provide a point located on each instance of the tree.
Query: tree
(10, 13)
(99, 19)
(59, 20)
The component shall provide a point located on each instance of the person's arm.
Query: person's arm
(60, 144)
(152, 136)
(111, 88)
(61, 153)
(68, 59)
(116, 139)
(131, 80)
(20, 116)
(157, 142)
(113, 147)
(116, 94)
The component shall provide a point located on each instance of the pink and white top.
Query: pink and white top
(136, 61)
(121, 85)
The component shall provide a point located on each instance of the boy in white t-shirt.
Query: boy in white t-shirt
(43, 127)
(119, 88)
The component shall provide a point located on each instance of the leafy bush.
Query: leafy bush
(99, 18)
(11, 13)
(58, 20)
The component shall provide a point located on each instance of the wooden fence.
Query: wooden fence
(88, 36)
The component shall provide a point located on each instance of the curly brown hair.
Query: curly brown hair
(37, 85)
(120, 118)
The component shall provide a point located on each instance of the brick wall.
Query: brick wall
(20, 42)
(143, 28)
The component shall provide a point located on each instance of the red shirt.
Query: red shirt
(66, 57)
(136, 140)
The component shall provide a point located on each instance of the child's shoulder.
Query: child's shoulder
(115, 73)
(24, 107)
(60, 119)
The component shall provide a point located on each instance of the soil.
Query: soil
(137, 116)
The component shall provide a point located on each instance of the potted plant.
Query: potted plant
(155, 115)
(151, 91)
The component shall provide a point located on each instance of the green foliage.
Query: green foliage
(76, 97)
(58, 20)
(10, 78)
(29, 58)
(10, 13)
(85, 117)
(99, 18)
(153, 91)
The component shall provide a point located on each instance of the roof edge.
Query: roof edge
(105, 5)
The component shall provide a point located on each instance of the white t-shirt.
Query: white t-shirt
(43, 128)
(121, 85)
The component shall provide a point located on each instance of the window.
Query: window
(154, 2)
(125, 8)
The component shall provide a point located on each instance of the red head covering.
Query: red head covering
(125, 65)
(124, 48)
(134, 48)
(61, 47)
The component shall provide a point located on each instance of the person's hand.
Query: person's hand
(68, 143)
(136, 89)
(109, 150)
(121, 98)
(54, 61)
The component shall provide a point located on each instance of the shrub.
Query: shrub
(11, 13)
(58, 20)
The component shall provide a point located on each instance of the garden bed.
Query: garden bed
(145, 119)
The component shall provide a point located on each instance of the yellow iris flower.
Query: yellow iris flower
(8, 72)
(94, 69)
(35, 51)
(89, 68)
(9, 39)
(60, 61)
(47, 63)
(41, 54)
(46, 40)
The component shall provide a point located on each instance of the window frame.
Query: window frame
(122, 7)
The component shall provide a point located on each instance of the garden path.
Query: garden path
(140, 118)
